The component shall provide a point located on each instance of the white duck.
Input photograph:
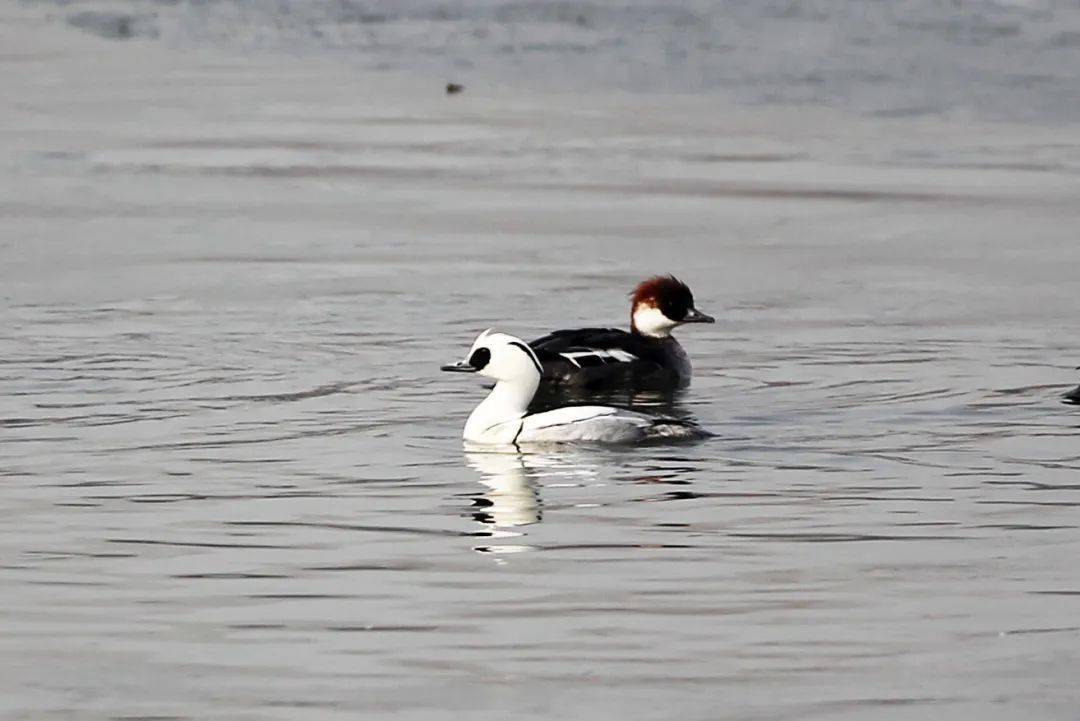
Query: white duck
(503, 419)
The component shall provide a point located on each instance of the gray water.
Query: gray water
(1005, 59)
(233, 482)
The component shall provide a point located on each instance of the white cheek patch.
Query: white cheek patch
(587, 358)
(651, 321)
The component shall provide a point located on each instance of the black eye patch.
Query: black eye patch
(676, 308)
(480, 358)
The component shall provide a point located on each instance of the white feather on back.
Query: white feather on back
(604, 355)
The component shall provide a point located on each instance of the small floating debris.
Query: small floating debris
(454, 88)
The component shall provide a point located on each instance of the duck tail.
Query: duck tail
(674, 429)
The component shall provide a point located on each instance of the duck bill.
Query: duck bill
(696, 316)
(459, 367)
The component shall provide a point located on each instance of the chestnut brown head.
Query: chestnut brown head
(662, 303)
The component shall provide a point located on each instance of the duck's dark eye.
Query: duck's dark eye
(676, 308)
(480, 358)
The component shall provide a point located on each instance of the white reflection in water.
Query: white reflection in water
(512, 498)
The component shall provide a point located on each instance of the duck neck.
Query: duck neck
(508, 401)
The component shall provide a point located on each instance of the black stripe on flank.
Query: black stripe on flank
(532, 356)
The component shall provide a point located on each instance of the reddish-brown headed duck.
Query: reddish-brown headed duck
(646, 357)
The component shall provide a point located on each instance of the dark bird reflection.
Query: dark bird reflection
(1072, 396)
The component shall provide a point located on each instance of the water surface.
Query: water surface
(233, 481)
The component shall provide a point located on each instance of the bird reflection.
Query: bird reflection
(511, 499)
(1072, 396)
